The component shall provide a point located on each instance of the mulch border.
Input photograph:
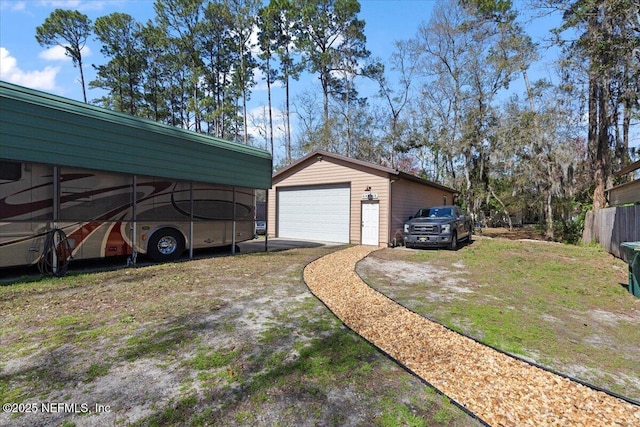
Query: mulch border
(514, 356)
(408, 370)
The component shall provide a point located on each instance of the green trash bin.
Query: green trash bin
(632, 253)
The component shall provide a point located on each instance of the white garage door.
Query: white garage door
(314, 213)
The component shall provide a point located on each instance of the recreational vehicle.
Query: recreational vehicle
(79, 182)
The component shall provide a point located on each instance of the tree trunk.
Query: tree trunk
(602, 152)
(504, 208)
(84, 92)
(269, 103)
(196, 108)
(288, 121)
(469, 184)
(549, 215)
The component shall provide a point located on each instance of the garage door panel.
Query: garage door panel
(314, 213)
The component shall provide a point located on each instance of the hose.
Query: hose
(62, 249)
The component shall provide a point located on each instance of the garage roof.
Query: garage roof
(40, 127)
(284, 172)
(628, 169)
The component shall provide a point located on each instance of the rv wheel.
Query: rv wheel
(166, 244)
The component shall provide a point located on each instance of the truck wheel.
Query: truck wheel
(166, 244)
(454, 241)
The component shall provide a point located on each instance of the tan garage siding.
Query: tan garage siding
(408, 197)
(627, 193)
(324, 170)
(398, 194)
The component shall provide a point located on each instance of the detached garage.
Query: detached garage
(328, 197)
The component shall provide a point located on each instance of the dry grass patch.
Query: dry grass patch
(562, 306)
(219, 341)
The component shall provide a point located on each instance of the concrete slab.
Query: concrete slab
(277, 244)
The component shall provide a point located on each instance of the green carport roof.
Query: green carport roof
(40, 127)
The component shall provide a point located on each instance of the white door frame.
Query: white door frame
(370, 221)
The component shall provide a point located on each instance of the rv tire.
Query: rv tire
(166, 244)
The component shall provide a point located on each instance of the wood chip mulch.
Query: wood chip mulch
(499, 389)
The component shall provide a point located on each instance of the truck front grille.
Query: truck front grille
(425, 229)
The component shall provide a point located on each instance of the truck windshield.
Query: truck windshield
(435, 213)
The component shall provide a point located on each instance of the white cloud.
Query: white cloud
(37, 79)
(57, 53)
(253, 41)
(13, 6)
(258, 122)
(80, 5)
(261, 84)
(62, 4)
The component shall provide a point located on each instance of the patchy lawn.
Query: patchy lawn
(517, 233)
(564, 307)
(219, 341)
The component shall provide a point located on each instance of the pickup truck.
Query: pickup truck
(437, 226)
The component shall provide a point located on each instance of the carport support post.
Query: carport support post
(56, 217)
(134, 216)
(233, 224)
(266, 221)
(190, 219)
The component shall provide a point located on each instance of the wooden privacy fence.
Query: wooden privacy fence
(611, 226)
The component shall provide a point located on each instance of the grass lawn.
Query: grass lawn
(233, 341)
(241, 341)
(564, 307)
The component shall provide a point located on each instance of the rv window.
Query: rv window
(10, 171)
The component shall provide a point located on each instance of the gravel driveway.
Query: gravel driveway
(501, 390)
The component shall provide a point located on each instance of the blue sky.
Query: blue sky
(23, 61)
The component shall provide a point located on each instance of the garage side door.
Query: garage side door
(314, 213)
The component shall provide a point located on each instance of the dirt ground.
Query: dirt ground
(219, 340)
(516, 233)
(229, 341)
